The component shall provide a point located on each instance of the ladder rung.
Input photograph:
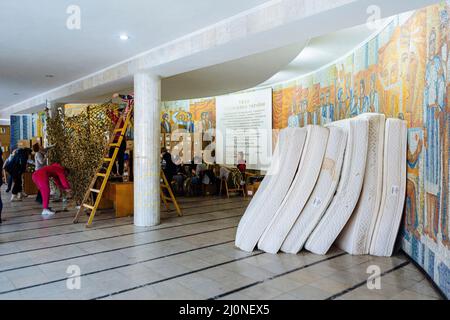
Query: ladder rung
(95, 190)
(101, 175)
(107, 159)
(118, 130)
(114, 145)
(88, 206)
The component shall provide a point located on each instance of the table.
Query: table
(28, 185)
(120, 196)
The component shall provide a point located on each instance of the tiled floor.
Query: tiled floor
(191, 257)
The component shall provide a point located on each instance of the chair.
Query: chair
(233, 184)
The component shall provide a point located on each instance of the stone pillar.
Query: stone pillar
(147, 104)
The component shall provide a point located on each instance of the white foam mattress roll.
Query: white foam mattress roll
(356, 236)
(284, 138)
(323, 192)
(349, 189)
(299, 192)
(394, 189)
(281, 174)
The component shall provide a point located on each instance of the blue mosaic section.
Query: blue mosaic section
(431, 259)
(15, 131)
(444, 278)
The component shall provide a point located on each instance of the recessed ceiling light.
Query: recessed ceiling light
(15, 93)
(49, 75)
(124, 37)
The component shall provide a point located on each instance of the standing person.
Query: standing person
(16, 167)
(129, 99)
(121, 156)
(242, 166)
(40, 155)
(9, 178)
(241, 163)
(41, 178)
(40, 161)
(170, 168)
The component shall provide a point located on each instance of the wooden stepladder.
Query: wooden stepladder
(165, 187)
(98, 184)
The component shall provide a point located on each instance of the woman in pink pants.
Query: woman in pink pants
(41, 178)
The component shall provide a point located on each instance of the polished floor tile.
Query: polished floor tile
(189, 257)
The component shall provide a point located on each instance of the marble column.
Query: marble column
(147, 104)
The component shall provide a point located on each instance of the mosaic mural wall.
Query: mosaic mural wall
(191, 115)
(402, 72)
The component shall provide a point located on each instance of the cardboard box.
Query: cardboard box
(253, 188)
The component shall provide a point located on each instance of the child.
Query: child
(41, 179)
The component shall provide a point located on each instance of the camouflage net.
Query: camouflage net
(80, 143)
(235, 178)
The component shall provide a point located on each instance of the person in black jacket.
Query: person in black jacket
(16, 167)
(8, 178)
(169, 167)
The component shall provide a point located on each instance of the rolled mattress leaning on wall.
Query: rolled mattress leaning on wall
(299, 192)
(350, 185)
(394, 189)
(322, 195)
(281, 174)
(357, 234)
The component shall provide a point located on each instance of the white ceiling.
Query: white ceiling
(261, 69)
(266, 68)
(34, 40)
(229, 77)
(216, 80)
(324, 50)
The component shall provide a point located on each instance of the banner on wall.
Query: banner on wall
(244, 129)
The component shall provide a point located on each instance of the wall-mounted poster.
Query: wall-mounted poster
(244, 129)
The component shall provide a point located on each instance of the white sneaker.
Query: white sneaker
(48, 212)
(15, 198)
(23, 195)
